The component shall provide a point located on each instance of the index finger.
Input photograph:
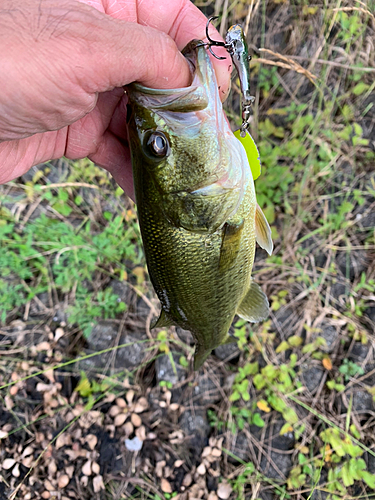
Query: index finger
(182, 21)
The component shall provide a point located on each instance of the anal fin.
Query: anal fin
(162, 321)
(263, 231)
(254, 306)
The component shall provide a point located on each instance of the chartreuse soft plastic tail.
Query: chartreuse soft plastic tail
(251, 151)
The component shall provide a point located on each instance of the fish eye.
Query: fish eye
(158, 144)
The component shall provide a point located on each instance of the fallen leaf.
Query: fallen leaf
(201, 469)
(212, 496)
(114, 411)
(63, 481)
(95, 468)
(48, 485)
(327, 363)
(120, 419)
(63, 440)
(141, 405)
(59, 332)
(165, 486)
(43, 346)
(262, 405)
(224, 490)
(13, 390)
(136, 420)
(128, 428)
(92, 441)
(98, 484)
(130, 396)
(70, 470)
(86, 469)
(8, 463)
(120, 402)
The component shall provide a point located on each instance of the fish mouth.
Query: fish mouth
(184, 99)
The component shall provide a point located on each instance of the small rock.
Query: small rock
(207, 391)
(227, 352)
(195, 425)
(330, 334)
(359, 352)
(370, 313)
(104, 335)
(353, 264)
(240, 447)
(165, 370)
(311, 377)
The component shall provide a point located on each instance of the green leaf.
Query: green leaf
(360, 88)
(257, 420)
(251, 152)
(295, 340)
(368, 478)
(285, 428)
(282, 347)
(290, 415)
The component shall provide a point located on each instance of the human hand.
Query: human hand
(63, 65)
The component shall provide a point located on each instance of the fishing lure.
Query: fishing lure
(236, 45)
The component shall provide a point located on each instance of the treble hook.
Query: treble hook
(212, 43)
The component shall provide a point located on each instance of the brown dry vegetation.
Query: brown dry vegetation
(94, 405)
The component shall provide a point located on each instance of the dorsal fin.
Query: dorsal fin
(263, 231)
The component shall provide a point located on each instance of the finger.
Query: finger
(86, 133)
(114, 156)
(119, 52)
(181, 20)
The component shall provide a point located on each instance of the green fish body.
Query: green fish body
(197, 207)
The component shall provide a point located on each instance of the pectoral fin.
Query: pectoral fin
(200, 356)
(162, 321)
(254, 306)
(263, 231)
(229, 339)
(231, 243)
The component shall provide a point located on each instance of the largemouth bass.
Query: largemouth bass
(197, 207)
